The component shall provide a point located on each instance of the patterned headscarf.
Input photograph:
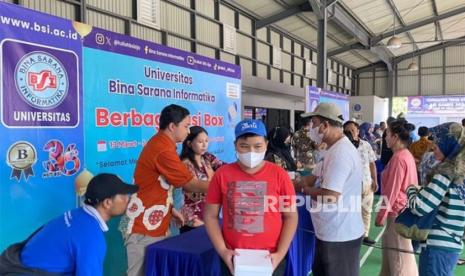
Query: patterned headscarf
(446, 137)
(451, 142)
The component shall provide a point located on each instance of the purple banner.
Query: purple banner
(313, 98)
(334, 95)
(39, 85)
(117, 43)
(41, 113)
(436, 105)
(317, 95)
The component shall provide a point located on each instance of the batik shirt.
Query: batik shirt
(303, 148)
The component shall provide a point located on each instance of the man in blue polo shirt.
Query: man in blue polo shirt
(74, 243)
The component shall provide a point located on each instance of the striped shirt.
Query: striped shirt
(449, 224)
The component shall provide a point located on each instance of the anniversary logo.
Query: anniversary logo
(61, 160)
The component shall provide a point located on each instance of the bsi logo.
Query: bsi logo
(41, 80)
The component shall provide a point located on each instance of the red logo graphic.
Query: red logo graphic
(41, 81)
(133, 208)
(155, 217)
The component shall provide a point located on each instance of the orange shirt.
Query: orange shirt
(419, 147)
(158, 169)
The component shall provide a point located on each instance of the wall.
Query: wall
(373, 109)
(260, 93)
(441, 72)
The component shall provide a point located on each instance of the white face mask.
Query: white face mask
(315, 135)
(251, 159)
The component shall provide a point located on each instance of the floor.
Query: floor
(370, 258)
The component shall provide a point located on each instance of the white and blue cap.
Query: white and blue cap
(250, 126)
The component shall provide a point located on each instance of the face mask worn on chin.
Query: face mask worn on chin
(251, 159)
(315, 135)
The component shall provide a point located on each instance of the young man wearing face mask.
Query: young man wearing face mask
(242, 189)
(336, 200)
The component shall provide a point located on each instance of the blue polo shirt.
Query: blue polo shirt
(73, 244)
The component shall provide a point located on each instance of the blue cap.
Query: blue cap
(250, 126)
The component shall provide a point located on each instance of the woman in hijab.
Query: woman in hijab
(366, 133)
(429, 161)
(279, 149)
(377, 131)
(445, 193)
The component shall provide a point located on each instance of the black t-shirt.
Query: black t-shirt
(386, 153)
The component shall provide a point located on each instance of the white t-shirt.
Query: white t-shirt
(341, 171)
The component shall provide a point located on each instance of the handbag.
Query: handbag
(10, 261)
(411, 226)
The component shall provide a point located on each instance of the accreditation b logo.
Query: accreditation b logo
(21, 156)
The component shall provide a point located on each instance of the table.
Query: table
(192, 253)
(301, 252)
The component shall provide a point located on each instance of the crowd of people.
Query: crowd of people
(329, 160)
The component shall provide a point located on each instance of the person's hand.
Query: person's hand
(298, 184)
(227, 256)
(299, 165)
(197, 222)
(374, 186)
(177, 217)
(276, 258)
(322, 146)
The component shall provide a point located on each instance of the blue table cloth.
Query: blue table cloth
(301, 252)
(192, 253)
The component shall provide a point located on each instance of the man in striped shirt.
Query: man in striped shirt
(446, 193)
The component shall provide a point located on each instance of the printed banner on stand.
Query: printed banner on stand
(316, 95)
(129, 81)
(41, 119)
(429, 105)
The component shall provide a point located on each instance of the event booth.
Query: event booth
(77, 97)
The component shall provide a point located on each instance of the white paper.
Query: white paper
(291, 175)
(229, 39)
(277, 57)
